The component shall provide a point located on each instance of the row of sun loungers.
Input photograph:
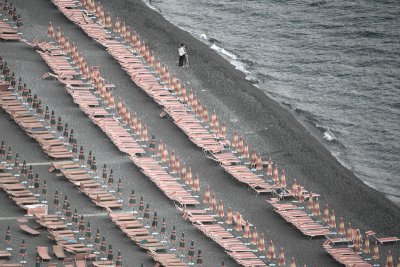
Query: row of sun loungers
(7, 32)
(84, 181)
(139, 234)
(346, 256)
(26, 119)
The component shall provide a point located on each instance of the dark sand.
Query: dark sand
(267, 126)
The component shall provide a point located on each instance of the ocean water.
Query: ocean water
(335, 63)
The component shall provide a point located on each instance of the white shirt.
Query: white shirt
(181, 51)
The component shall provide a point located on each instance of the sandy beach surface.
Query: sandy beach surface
(266, 125)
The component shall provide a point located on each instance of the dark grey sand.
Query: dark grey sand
(267, 126)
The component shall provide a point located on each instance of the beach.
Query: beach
(268, 127)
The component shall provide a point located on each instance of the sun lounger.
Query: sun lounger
(43, 253)
(58, 252)
(27, 229)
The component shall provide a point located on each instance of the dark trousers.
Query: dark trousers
(181, 60)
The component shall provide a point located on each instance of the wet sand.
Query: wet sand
(267, 126)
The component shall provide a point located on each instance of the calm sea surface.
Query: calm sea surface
(336, 63)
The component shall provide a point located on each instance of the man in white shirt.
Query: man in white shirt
(181, 52)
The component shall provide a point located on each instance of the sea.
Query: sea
(335, 64)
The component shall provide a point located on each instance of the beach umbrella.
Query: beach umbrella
(281, 258)
(182, 242)
(199, 260)
(93, 166)
(47, 114)
(246, 232)
(60, 126)
(22, 250)
(103, 247)
(389, 260)
(229, 216)
(65, 203)
(44, 191)
(89, 159)
(366, 249)
(398, 263)
(82, 225)
(177, 165)
(111, 178)
(191, 251)
(220, 209)
(349, 233)
(207, 193)
(259, 164)
(316, 210)
(119, 188)
(38, 261)
(24, 171)
(88, 233)
(68, 213)
(283, 179)
(97, 239)
(375, 253)
(235, 141)
(154, 224)
(53, 121)
(332, 219)
(110, 254)
(9, 155)
(71, 139)
(310, 203)
(56, 201)
(16, 162)
(132, 199)
(141, 204)
(2, 150)
(189, 176)
(163, 227)
(30, 175)
(104, 173)
(275, 174)
(36, 183)
(81, 156)
(75, 218)
(254, 237)
(261, 243)
(238, 223)
(173, 235)
(342, 229)
(152, 144)
(271, 251)
(146, 215)
(213, 202)
(196, 183)
(300, 196)
(326, 214)
(8, 238)
(357, 241)
(118, 263)
(269, 167)
(292, 262)
(65, 132)
(245, 148)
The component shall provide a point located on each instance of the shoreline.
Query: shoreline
(284, 134)
(321, 134)
(266, 125)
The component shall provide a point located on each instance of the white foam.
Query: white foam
(328, 135)
(203, 36)
(223, 51)
(147, 2)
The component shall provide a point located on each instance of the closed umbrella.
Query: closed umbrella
(141, 205)
(22, 251)
(56, 201)
(261, 243)
(60, 126)
(30, 176)
(104, 173)
(81, 157)
(207, 194)
(97, 240)
(2, 150)
(9, 156)
(173, 237)
(16, 164)
(88, 235)
(68, 214)
(119, 190)
(111, 178)
(326, 214)
(367, 248)
(154, 224)
(82, 227)
(119, 259)
(182, 243)
(196, 183)
(103, 248)
(375, 254)
(191, 251)
(38, 261)
(254, 237)
(357, 241)
(44, 191)
(213, 202)
(292, 262)
(199, 260)
(281, 258)
(246, 232)
(36, 184)
(283, 179)
(8, 238)
(163, 230)
(332, 220)
(24, 171)
(110, 255)
(93, 166)
(220, 209)
(146, 215)
(89, 159)
(229, 216)
(75, 218)
(389, 259)
(271, 251)
(310, 203)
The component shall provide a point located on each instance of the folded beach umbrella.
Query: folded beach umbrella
(97, 238)
(88, 234)
(104, 173)
(9, 156)
(30, 176)
(82, 224)
(119, 188)
(182, 242)
(56, 201)
(326, 214)
(146, 215)
(229, 216)
(132, 200)
(246, 232)
(65, 133)
(89, 159)
(275, 174)
(154, 224)
(316, 210)
(259, 165)
(332, 220)
(191, 251)
(292, 262)
(171, 160)
(71, 139)
(60, 126)
(44, 191)
(47, 114)
(199, 260)
(16, 163)
(238, 222)
(2, 150)
(110, 255)
(93, 166)
(220, 209)
(213, 202)
(235, 141)
(349, 233)
(8, 238)
(196, 183)
(24, 171)
(271, 250)
(36, 183)
(366, 249)
(357, 241)
(389, 260)
(310, 203)
(223, 134)
(38, 261)
(261, 243)
(283, 179)
(245, 147)
(177, 165)
(141, 205)
(189, 177)
(118, 263)
(111, 178)
(75, 217)
(183, 172)
(375, 253)
(281, 258)
(81, 157)
(65, 203)
(173, 235)
(207, 193)
(103, 247)
(22, 250)
(254, 236)
(163, 227)
(68, 214)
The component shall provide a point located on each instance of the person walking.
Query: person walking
(181, 52)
